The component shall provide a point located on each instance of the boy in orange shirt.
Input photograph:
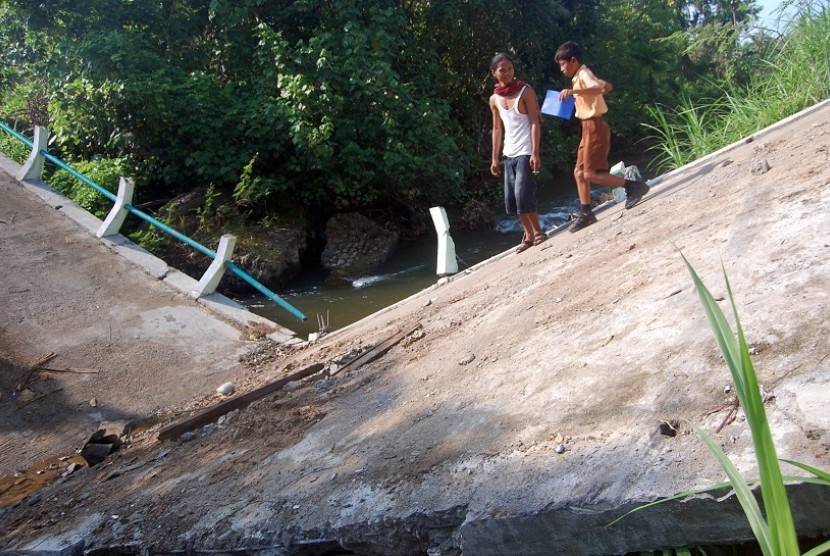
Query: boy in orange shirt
(595, 144)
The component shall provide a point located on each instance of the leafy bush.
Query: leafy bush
(13, 148)
(104, 172)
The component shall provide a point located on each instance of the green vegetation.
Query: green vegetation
(336, 105)
(105, 172)
(795, 75)
(13, 148)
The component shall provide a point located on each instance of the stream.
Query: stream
(410, 270)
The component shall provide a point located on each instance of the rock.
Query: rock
(71, 468)
(226, 389)
(95, 453)
(477, 215)
(188, 436)
(356, 245)
(270, 254)
(291, 386)
(467, 360)
(759, 166)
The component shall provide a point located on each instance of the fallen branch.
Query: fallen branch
(76, 370)
(176, 429)
(28, 375)
(377, 351)
(33, 400)
(730, 416)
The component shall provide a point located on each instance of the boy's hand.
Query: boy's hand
(565, 94)
(495, 167)
(535, 163)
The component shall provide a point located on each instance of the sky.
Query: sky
(768, 14)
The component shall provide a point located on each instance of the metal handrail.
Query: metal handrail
(247, 278)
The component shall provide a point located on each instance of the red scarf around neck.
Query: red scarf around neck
(510, 89)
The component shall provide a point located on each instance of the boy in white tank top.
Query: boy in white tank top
(516, 120)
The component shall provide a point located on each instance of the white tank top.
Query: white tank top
(517, 137)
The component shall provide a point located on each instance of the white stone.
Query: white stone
(226, 389)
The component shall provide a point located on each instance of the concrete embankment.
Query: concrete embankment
(105, 306)
(544, 395)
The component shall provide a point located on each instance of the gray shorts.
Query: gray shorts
(519, 185)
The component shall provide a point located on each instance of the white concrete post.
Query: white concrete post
(33, 167)
(447, 263)
(210, 280)
(115, 218)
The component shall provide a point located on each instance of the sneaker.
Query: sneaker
(635, 192)
(581, 221)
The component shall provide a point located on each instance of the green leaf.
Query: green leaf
(748, 503)
(678, 496)
(820, 549)
(824, 475)
(780, 536)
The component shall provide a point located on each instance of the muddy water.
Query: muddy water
(410, 270)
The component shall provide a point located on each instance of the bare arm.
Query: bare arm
(532, 111)
(498, 133)
(602, 88)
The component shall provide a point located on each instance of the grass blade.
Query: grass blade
(824, 475)
(820, 549)
(678, 496)
(747, 500)
(780, 529)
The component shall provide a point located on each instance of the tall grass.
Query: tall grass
(797, 76)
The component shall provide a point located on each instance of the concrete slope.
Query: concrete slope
(105, 306)
(532, 408)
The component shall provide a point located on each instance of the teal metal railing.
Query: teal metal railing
(247, 278)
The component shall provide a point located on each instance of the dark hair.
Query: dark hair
(498, 58)
(567, 51)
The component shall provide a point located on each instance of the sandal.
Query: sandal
(524, 246)
(540, 238)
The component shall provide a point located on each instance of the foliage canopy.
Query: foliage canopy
(337, 105)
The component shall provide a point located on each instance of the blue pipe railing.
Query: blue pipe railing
(247, 278)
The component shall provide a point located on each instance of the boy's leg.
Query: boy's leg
(530, 223)
(509, 186)
(585, 217)
(512, 177)
(526, 199)
(596, 163)
(526, 203)
(583, 186)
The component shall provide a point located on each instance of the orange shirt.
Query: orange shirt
(587, 106)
